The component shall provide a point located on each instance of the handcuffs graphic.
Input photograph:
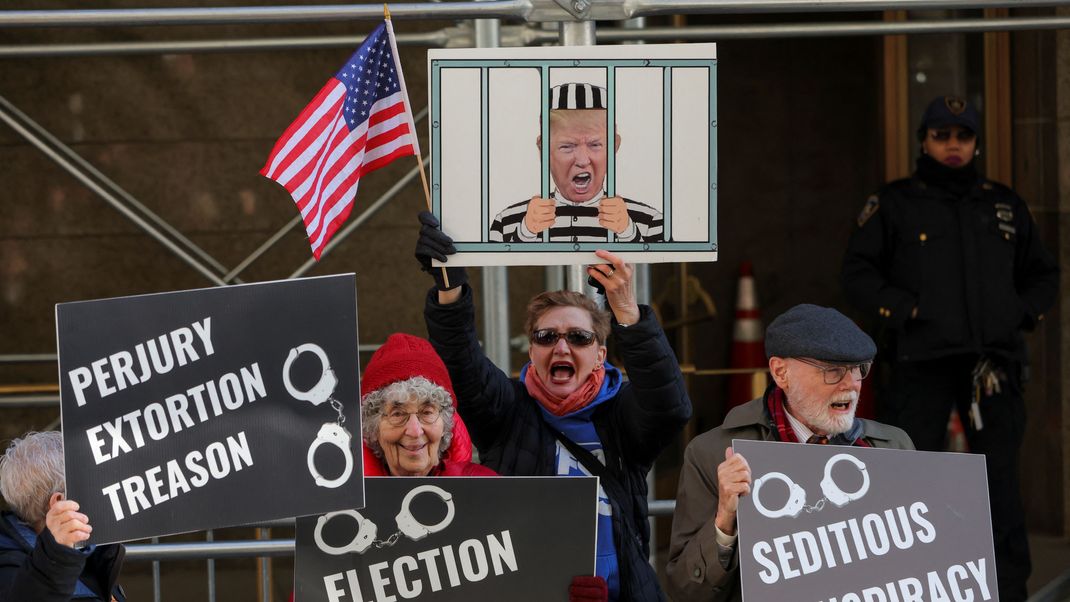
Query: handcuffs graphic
(367, 530)
(332, 433)
(832, 492)
(321, 391)
(797, 495)
(337, 436)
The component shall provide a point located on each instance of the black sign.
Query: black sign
(463, 539)
(852, 524)
(209, 408)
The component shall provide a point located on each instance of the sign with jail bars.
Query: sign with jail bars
(654, 199)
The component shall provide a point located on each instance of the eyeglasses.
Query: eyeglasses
(945, 135)
(548, 337)
(834, 374)
(427, 414)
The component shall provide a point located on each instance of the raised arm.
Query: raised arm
(485, 394)
(654, 405)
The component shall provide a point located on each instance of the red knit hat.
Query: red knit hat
(402, 357)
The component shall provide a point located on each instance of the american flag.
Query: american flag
(356, 124)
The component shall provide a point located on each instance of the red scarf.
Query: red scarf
(775, 402)
(559, 406)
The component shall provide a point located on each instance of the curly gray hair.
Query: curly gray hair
(31, 470)
(418, 388)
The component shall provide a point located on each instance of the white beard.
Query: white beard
(817, 417)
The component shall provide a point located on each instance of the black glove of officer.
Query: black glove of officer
(434, 244)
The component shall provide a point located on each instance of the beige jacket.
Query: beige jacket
(695, 571)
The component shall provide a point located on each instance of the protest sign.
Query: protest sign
(451, 539)
(851, 524)
(630, 165)
(209, 408)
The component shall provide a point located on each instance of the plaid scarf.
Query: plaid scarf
(774, 404)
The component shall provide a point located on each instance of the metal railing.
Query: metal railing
(524, 35)
(527, 10)
(265, 548)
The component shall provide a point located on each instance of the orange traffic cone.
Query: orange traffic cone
(748, 343)
(956, 434)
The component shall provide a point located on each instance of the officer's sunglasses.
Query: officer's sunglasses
(834, 374)
(945, 135)
(548, 337)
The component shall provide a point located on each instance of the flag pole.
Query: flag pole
(412, 125)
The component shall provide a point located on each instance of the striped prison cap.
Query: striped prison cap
(577, 96)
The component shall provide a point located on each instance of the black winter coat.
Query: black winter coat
(49, 572)
(508, 429)
(971, 263)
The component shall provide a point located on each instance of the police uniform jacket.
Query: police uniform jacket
(966, 254)
(695, 571)
(513, 439)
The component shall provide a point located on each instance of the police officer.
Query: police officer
(952, 266)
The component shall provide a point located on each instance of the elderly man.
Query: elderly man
(40, 554)
(817, 358)
(579, 210)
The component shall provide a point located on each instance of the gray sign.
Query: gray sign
(854, 524)
(210, 408)
(451, 539)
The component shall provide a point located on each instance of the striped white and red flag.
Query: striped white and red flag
(360, 121)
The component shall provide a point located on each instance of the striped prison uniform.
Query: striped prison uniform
(578, 223)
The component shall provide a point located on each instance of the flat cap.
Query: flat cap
(821, 333)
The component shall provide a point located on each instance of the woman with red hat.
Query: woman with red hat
(409, 415)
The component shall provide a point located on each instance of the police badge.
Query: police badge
(955, 104)
(872, 204)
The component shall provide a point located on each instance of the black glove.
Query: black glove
(596, 285)
(434, 244)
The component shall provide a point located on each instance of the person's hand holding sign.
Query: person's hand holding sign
(613, 214)
(67, 525)
(541, 214)
(733, 480)
(615, 278)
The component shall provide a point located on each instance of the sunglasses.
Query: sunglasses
(834, 374)
(945, 135)
(548, 337)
